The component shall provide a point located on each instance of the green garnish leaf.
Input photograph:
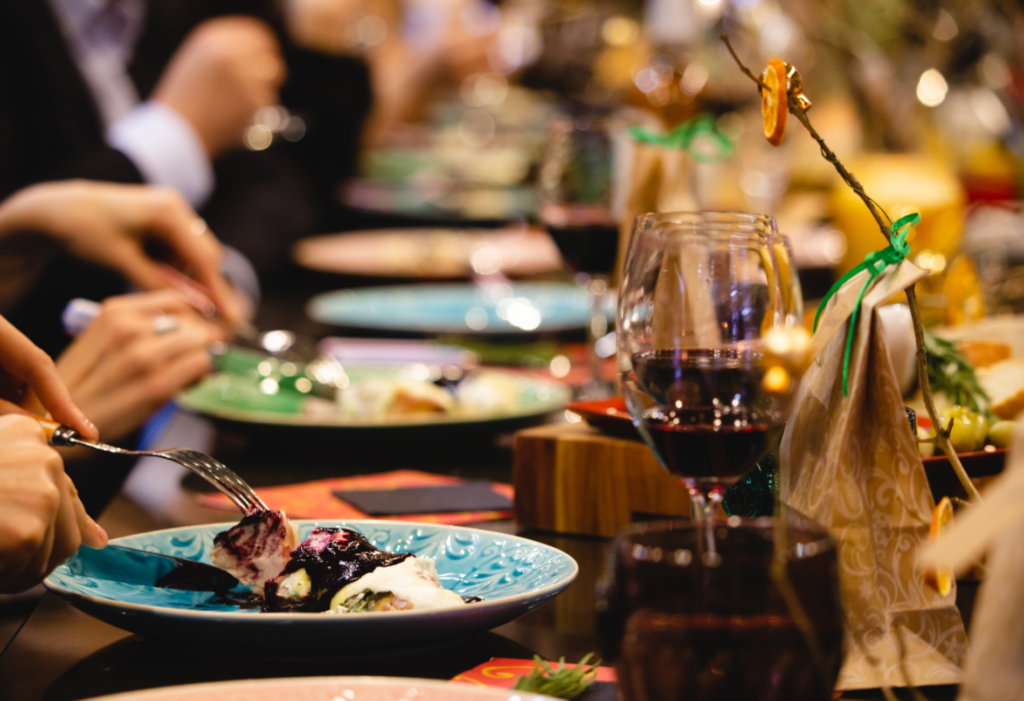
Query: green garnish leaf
(364, 600)
(560, 682)
(950, 373)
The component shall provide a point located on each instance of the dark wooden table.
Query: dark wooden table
(60, 654)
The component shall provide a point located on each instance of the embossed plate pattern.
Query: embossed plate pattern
(513, 574)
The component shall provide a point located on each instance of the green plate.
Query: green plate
(250, 399)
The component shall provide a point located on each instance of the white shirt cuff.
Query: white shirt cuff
(166, 150)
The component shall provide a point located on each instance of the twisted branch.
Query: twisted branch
(797, 110)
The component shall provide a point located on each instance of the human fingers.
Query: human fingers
(28, 566)
(93, 534)
(124, 389)
(7, 407)
(29, 502)
(24, 360)
(177, 224)
(122, 408)
(150, 355)
(121, 321)
(67, 536)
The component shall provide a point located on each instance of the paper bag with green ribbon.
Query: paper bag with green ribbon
(850, 462)
(661, 175)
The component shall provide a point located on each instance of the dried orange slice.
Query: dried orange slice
(940, 580)
(774, 101)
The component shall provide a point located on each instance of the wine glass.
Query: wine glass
(577, 198)
(703, 295)
(681, 621)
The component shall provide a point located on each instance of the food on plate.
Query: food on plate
(480, 394)
(488, 393)
(940, 579)
(1004, 384)
(380, 398)
(981, 354)
(1001, 433)
(969, 431)
(257, 549)
(334, 570)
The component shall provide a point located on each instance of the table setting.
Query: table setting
(609, 380)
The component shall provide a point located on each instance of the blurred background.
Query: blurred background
(922, 100)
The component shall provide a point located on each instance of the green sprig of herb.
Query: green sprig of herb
(950, 373)
(560, 682)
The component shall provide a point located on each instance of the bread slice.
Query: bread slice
(1004, 384)
(981, 354)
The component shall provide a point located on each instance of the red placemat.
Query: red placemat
(315, 499)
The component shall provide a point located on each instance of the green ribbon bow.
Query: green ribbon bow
(686, 134)
(874, 262)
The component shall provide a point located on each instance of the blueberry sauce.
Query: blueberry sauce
(333, 558)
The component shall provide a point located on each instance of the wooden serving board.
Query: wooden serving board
(570, 478)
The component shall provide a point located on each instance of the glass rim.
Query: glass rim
(750, 227)
(709, 216)
(819, 545)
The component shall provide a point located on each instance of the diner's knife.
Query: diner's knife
(117, 563)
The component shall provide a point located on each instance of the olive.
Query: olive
(1001, 433)
(966, 435)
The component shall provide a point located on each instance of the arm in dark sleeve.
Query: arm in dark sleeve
(49, 128)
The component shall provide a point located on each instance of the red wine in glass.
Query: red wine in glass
(706, 425)
(681, 620)
(587, 247)
(587, 235)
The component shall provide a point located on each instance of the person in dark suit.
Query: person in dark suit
(162, 92)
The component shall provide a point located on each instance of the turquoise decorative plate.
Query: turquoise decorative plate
(513, 575)
(458, 309)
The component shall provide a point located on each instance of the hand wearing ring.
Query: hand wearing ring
(139, 352)
(165, 323)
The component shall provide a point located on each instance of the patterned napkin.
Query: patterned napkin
(317, 500)
(502, 672)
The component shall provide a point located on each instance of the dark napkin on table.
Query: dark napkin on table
(600, 691)
(468, 496)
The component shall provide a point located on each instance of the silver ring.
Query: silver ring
(198, 226)
(165, 323)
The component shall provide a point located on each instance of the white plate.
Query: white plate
(328, 689)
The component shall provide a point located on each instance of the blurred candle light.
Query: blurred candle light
(932, 88)
(994, 72)
(258, 137)
(694, 78)
(945, 26)
(560, 366)
(620, 31)
(646, 80)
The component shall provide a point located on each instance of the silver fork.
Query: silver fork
(216, 473)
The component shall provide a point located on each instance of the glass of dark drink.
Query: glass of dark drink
(577, 178)
(682, 620)
(701, 294)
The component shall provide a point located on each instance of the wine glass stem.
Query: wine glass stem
(703, 509)
(704, 505)
(596, 329)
